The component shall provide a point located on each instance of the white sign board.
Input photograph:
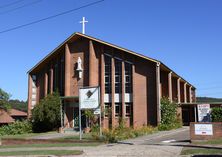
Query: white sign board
(89, 98)
(203, 112)
(203, 129)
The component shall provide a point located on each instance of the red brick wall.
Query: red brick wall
(140, 108)
(151, 93)
(106, 123)
(193, 95)
(145, 85)
(174, 89)
(80, 49)
(181, 91)
(188, 93)
(94, 55)
(40, 86)
(164, 84)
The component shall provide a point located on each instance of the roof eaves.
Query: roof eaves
(177, 74)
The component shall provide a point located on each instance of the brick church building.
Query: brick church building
(131, 84)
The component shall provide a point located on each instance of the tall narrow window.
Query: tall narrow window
(108, 110)
(118, 76)
(62, 78)
(118, 109)
(108, 70)
(128, 78)
(129, 109)
(49, 81)
(55, 78)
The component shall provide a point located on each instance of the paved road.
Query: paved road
(180, 136)
(155, 145)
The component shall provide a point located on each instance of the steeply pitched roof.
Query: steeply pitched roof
(77, 34)
(5, 117)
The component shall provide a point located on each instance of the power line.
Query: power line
(9, 4)
(20, 7)
(50, 17)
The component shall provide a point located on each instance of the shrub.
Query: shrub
(216, 114)
(122, 133)
(169, 118)
(46, 115)
(95, 131)
(91, 119)
(18, 127)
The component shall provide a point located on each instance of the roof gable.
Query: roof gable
(77, 34)
(94, 39)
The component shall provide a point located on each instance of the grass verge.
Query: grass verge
(87, 136)
(42, 152)
(51, 145)
(201, 151)
(210, 142)
(26, 136)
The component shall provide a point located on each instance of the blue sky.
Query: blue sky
(186, 35)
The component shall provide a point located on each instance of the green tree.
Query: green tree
(19, 104)
(46, 115)
(216, 114)
(4, 100)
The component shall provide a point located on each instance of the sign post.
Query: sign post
(88, 99)
(98, 112)
(80, 124)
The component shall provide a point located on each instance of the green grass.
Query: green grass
(201, 151)
(42, 152)
(210, 142)
(26, 136)
(76, 137)
(51, 145)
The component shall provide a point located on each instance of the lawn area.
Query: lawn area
(66, 137)
(76, 137)
(70, 140)
(26, 136)
(42, 152)
(201, 151)
(52, 145)
(210, 142)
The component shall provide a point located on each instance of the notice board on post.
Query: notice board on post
(89, 98)
(203, 112)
